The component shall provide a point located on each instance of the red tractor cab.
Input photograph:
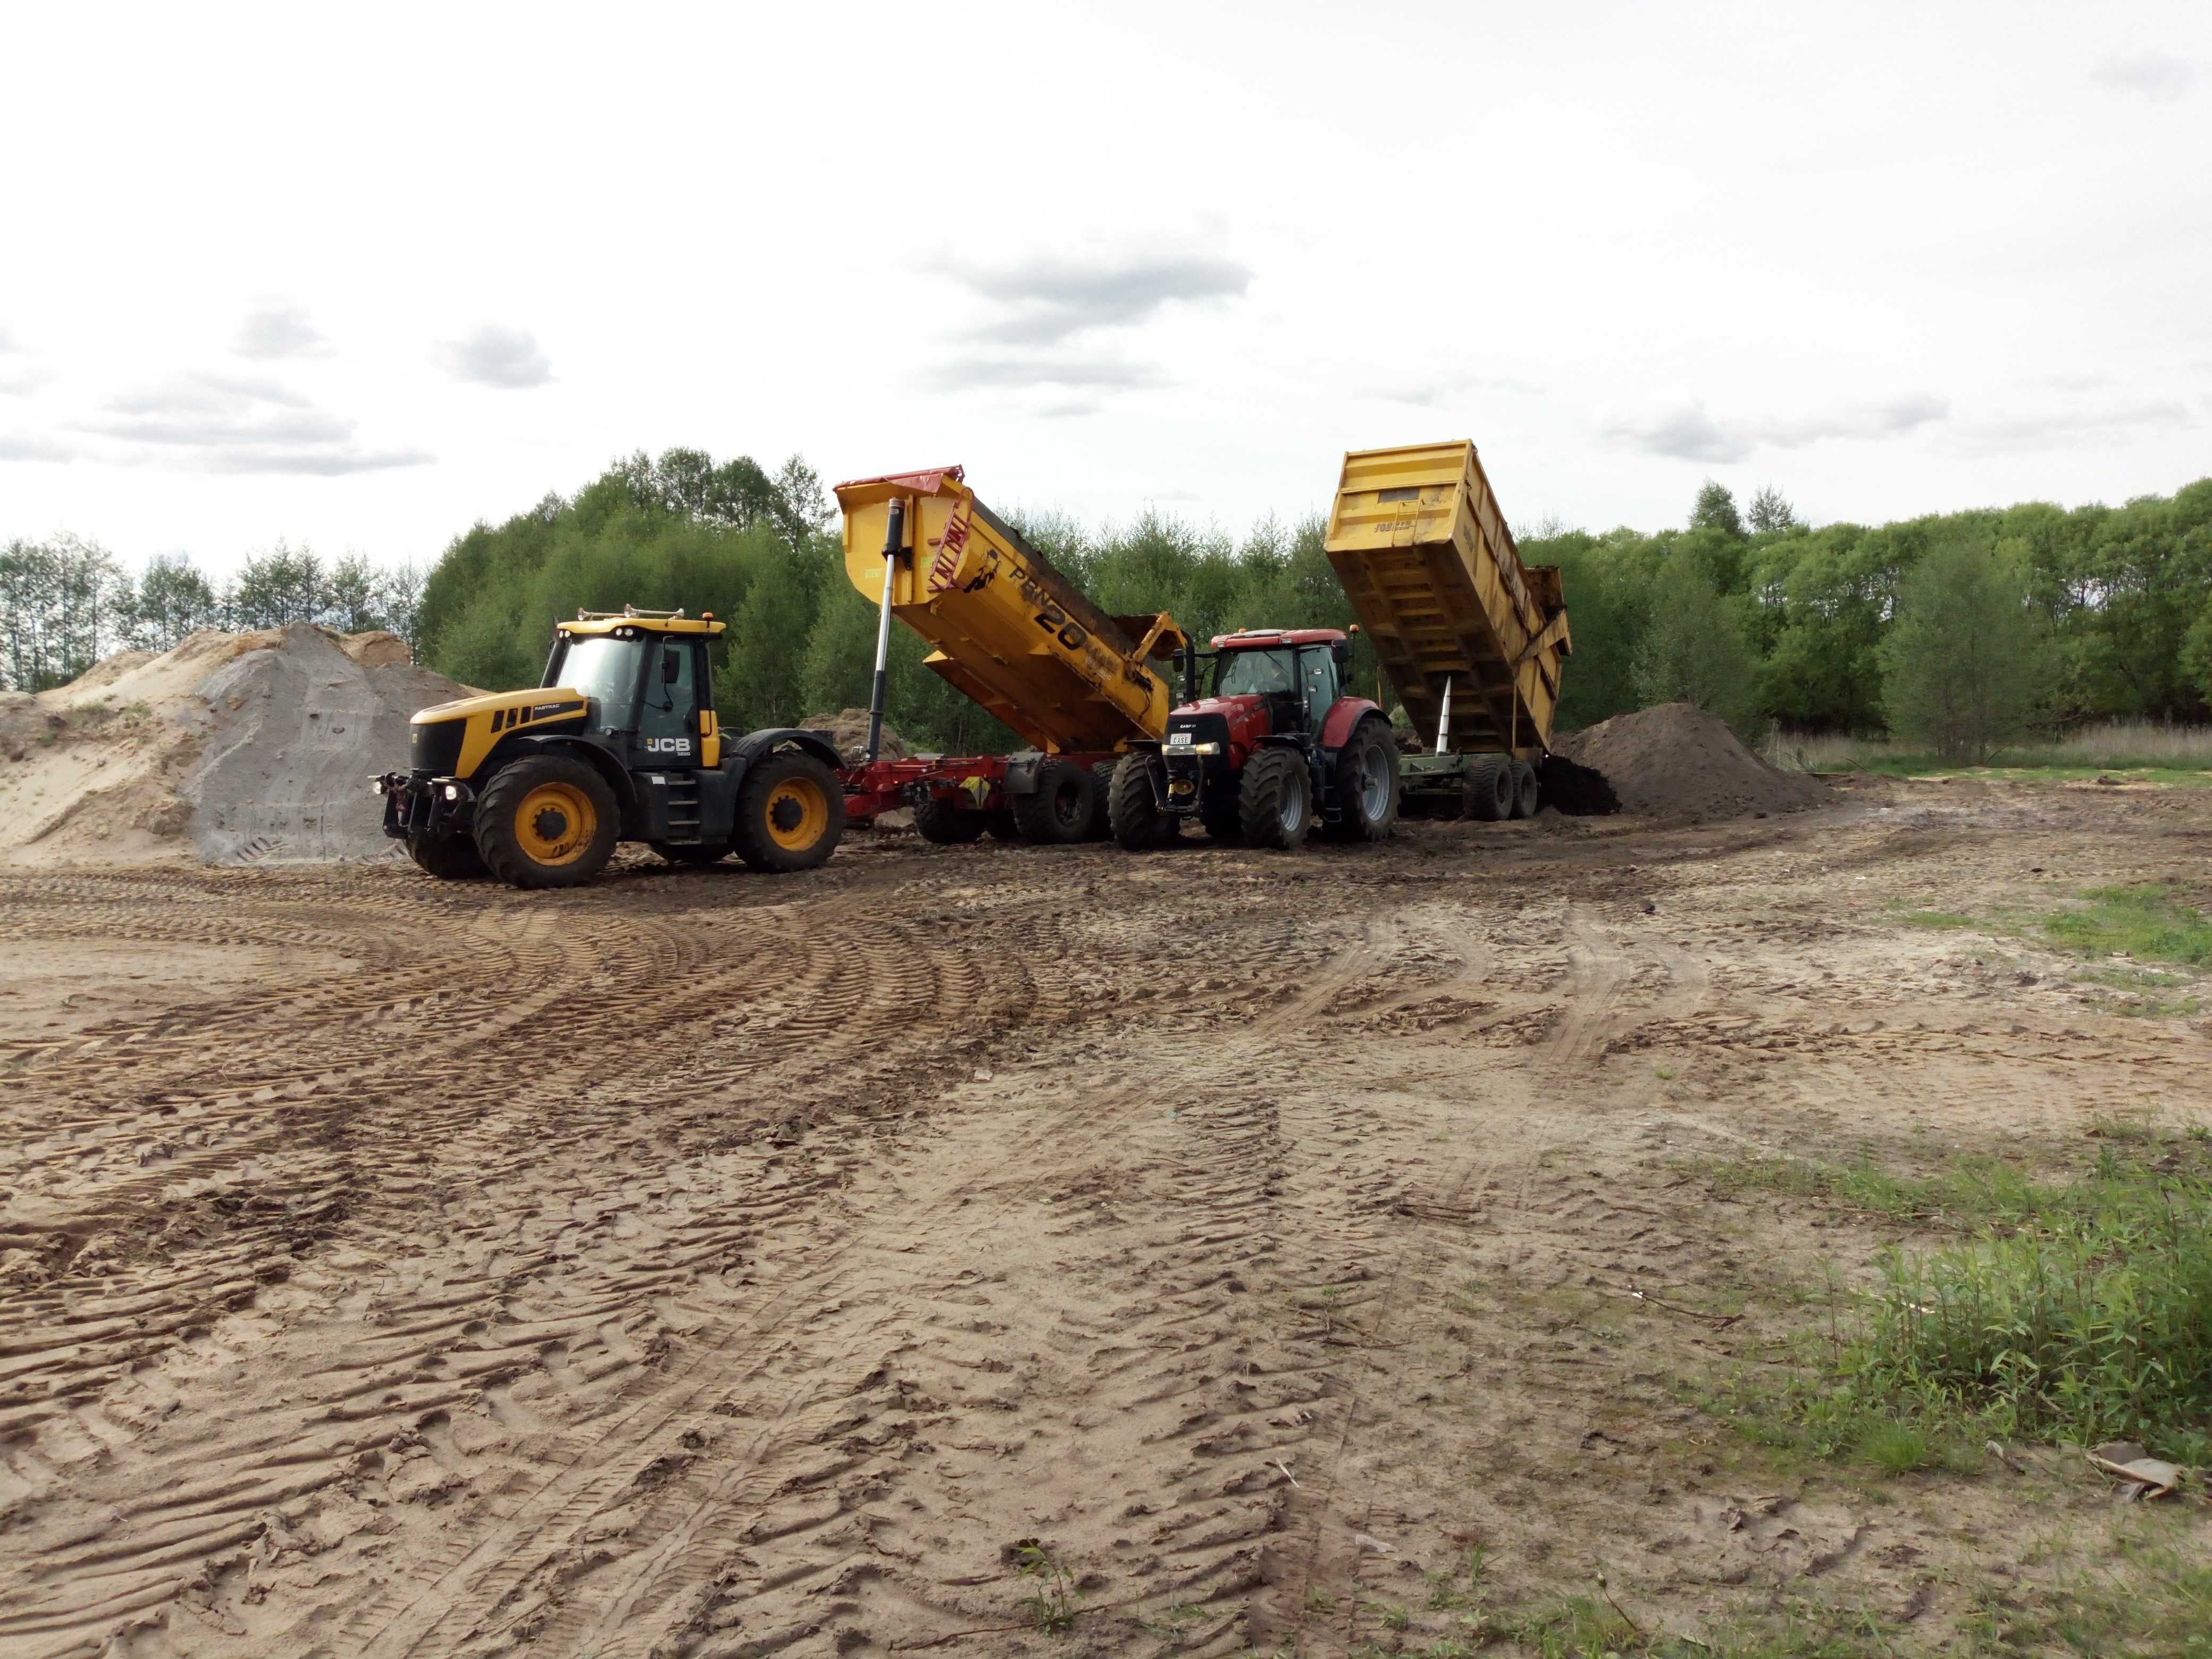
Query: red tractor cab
(1277, 746)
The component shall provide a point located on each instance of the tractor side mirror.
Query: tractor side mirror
(1343, 650)
(670, 667)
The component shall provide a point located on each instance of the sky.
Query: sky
(358, 276)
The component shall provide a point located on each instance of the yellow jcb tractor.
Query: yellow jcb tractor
(619, 743)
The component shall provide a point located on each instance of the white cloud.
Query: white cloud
(1048, 300)
(278, 330)
(1688, 432)
(22, 446)
(216, 423)
(2157, 75)
(506, 357)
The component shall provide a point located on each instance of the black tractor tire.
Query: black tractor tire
(547, 821)
(1059, 811)
(1102, 820)
(1524, 790)
(695, 852)
(945, 821)
(1367, 791)
(1274, 800)
(449, 858)
(1490, 790)
(791, 812)
(1139, 824)
(1002, 825)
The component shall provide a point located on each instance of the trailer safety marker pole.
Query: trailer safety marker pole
(1443, 721)
(892, 540)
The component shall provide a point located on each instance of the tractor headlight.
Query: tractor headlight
(376, 786)
(1203, 748)
(452, 791)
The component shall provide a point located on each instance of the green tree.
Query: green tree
(1964, 665)
(1715, 509)
(63, 604)
(762, 684)
(171, 600)
(1770, 512)
(282, 586)
(1692, 648)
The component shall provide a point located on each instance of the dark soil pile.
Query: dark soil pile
(849, 729)
(1677, 761)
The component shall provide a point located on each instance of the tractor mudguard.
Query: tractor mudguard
(1343, 715)
(1021, 771)
(754, 745)
(591, 754)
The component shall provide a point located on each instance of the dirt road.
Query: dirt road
(705, 1264)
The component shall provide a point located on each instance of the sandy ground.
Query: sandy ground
(709, 1264)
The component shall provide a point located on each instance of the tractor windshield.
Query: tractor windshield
(1242, 673)
(606, 670)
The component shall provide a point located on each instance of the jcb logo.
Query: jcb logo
(668, 745)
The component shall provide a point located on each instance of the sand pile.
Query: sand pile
(848, 730)
(233, 747)
(1677, 761)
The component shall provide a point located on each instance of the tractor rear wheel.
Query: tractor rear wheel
(1059, 809)
(947, 822)
(1367, 783)
(449, 858)
(1491, 790)
(791, 811)
(1135, 812)
(1524, 790)
(548, 821)
(674, 852)
(1274, 801)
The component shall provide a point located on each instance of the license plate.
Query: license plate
(1179, 739)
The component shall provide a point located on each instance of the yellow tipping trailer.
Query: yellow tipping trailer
(1472, 639)
(1014, 634)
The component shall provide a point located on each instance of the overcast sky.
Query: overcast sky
(357, 277)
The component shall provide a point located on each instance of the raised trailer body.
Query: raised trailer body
(1418, 539)
(1011, 633)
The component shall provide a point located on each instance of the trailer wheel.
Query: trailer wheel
(1274, 802)
(791, 812)
(1367, 783)
(946, 823)
(548, 821)
(1524, 790)
(1138, 824)
(1000, 823)
(1101, 820)
(1059, 809)
(1491, 792)
(449, 858)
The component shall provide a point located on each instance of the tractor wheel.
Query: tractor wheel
(1138, 824)
(1491, 792)
(1524, 790)
(791, 811)
(1101, 820)
(549, 820)
(1274, 802)
(1367, 783)
(673, 852)
(449, 858)
(1059, 809)
(946, 823)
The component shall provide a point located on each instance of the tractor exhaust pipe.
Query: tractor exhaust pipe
(1443, 721)
(894, 542)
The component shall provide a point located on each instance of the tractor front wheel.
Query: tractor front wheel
(1131, 809)
(549, 820)
(449, 858)
(791, 812)
(1059, 809)
(1274, 801)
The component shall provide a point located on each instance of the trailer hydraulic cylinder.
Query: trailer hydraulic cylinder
(892, 538)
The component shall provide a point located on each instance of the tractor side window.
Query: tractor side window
(1319, 683)
(1242, 673)
(672, 699)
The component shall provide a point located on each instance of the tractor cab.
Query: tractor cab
(645, 685)
(1297, 676)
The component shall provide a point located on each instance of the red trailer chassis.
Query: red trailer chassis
(992, 787)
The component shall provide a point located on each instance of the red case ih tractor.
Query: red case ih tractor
(1277, 746)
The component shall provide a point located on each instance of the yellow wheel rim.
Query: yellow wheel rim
(797, 814)
(555, 824)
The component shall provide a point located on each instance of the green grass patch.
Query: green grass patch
(1935, 919)
(2075, 1309)
(2144, 921)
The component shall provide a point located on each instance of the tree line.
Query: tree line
(1959, 631)
(65, 603)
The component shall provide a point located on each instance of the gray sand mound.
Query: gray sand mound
(1677, 761)
(233, 747)
(848, 730)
